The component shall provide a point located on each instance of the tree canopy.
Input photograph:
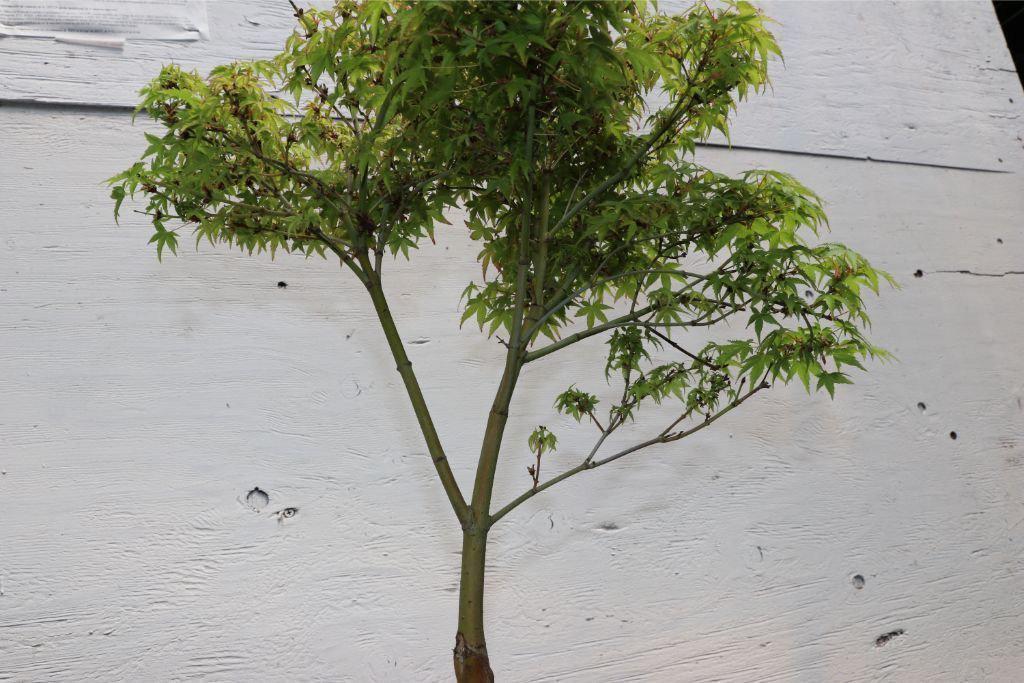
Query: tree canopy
(540, 121)
(379, 117)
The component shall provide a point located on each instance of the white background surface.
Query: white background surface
(139, 402)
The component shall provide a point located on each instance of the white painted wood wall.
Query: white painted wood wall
(139, 402)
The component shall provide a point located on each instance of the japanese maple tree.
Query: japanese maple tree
(566, 132)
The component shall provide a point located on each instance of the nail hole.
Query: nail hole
(999, 240)
(288, 512)
(921, 406)
(952, 435)
(257, 499)
(886, 637)
(918, 273)
(282, 284)
(857, 581)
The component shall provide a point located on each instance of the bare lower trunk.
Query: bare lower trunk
(470, 655)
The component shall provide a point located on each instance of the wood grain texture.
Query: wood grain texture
(923, 82)
(919, 82)
(140, 402)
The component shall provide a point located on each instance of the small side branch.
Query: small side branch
(534, 470)
(590, 463)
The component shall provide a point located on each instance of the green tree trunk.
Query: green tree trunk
(470, 655)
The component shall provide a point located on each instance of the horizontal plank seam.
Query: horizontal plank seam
(73, 106)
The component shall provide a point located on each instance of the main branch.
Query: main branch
(419, 404)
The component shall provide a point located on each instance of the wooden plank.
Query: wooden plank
(921, 82)
(915, 82)
(141, 402)
(43, 70)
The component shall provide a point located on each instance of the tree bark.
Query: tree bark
(470, 655)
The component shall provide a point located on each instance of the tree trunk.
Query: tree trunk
(470, 655)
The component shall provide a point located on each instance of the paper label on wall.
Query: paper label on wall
(106, 23)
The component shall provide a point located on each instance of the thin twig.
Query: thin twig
(589, 463)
